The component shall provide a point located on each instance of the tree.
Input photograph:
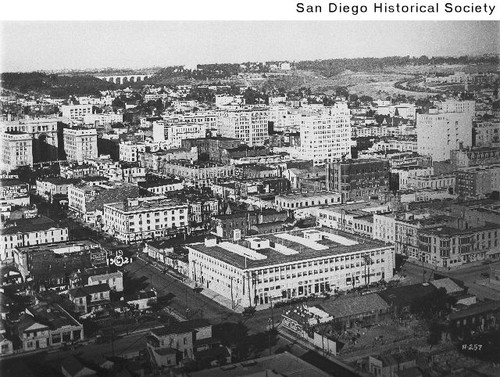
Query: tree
(118, 102)
(435, 330)
(434, 305)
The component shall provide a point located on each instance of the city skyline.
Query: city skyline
(137, 44)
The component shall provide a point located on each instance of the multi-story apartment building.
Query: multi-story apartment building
(249, 124)
(76, 112)
(355, 218)
(282, 266)
(170, 134)
(132, 173)
(478, 181)
(129, 151)
(487, 134)
(359, 179)
(464, 158)
(326, 136)
(17, 150)
(203, 209)
(48, 187)
(145, 218)
(435, 182)
(407, 227)
(384, 227)
(80, 144)
(454, 246)
(438, 133)
(87, 201)
(26, 232)
(400, 175)
(50, 264)
(199, 174)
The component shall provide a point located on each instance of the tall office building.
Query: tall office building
(17, 150)
(80, 144)
(441, 131)
(249, 124)
(325, 135)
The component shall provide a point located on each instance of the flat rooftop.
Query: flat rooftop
(331, 245)
(69, 245)
(11, 182)
(283, 364)
(446, 230)
(155, 204)
(28, 225)
(326, 195)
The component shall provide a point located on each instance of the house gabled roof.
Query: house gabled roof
(27, 322)
(448, 284)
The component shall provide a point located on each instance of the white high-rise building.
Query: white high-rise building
(249, 124)
(438, 133)
(144, 218)
(80, 144)
(325, 136)
(17, 150)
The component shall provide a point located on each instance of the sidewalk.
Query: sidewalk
(207, 292)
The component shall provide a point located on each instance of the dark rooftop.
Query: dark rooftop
(28, 225)
(347, 306)
(404, 295)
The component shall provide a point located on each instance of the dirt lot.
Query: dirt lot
(384, 334)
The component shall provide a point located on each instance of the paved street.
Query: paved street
(416, 273)
(199, 305)
(186, 302)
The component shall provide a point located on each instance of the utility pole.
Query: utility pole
(272, 312)
(232, 299)
(269, 339)
(113, 341)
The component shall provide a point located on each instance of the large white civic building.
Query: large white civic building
(281, 266)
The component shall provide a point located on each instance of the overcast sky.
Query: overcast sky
(29, 46)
